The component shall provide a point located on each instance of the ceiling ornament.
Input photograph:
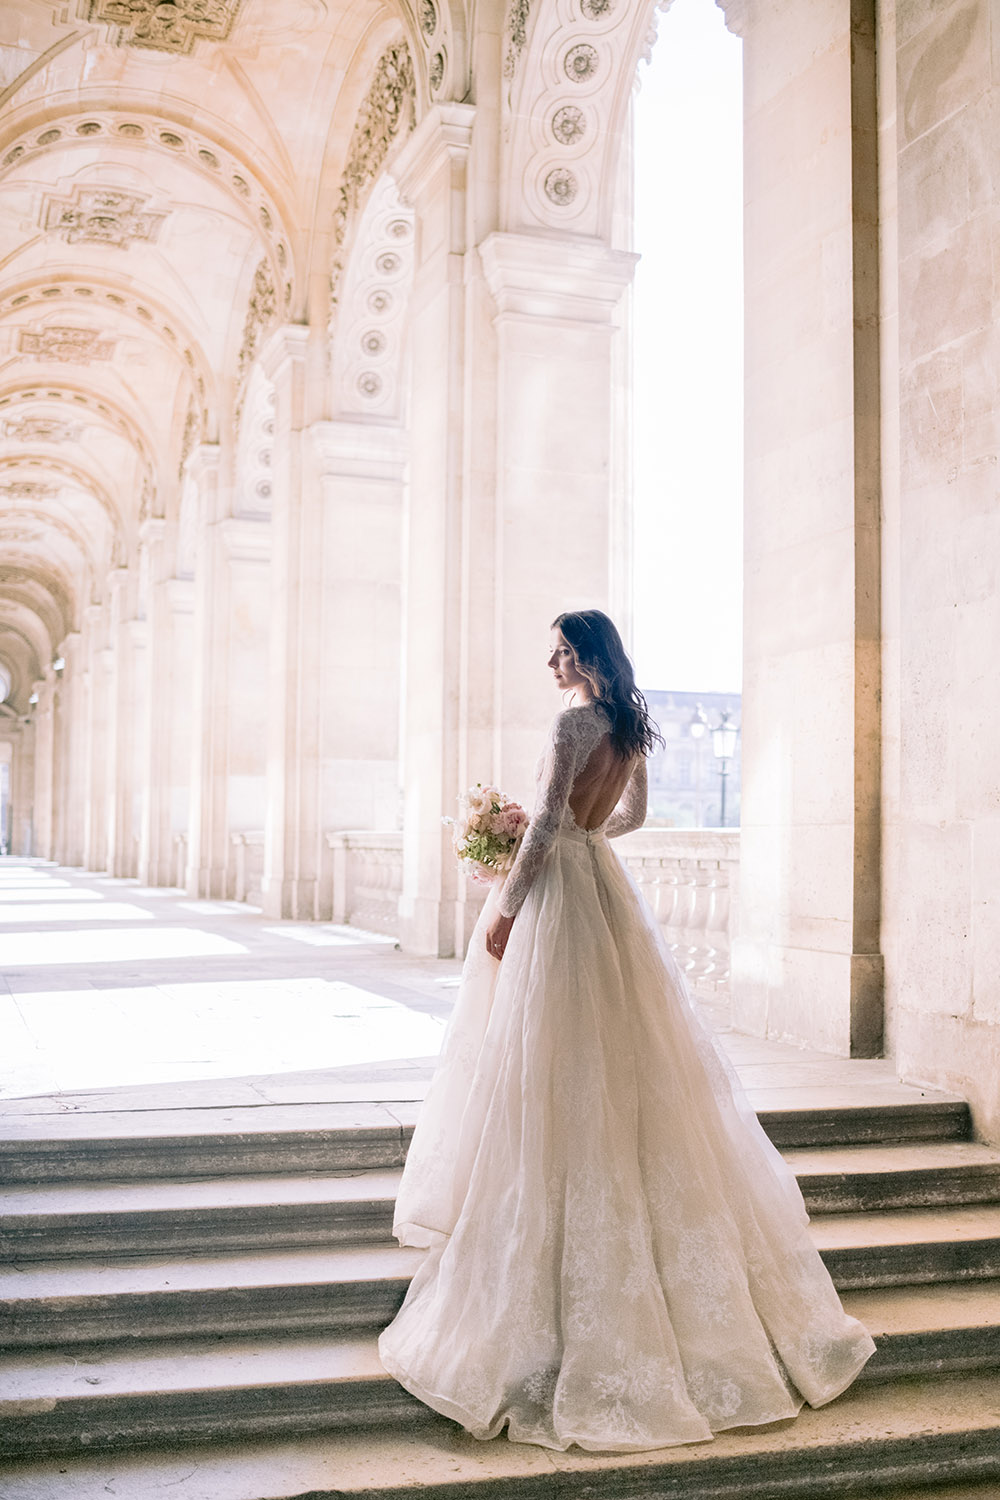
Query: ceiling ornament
(67, 346)
(166, 25)
(28, 489)
(106, 216)
(389, 105)
(261, 313)
(28, 429)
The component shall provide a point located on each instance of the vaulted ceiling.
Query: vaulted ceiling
(166, 168)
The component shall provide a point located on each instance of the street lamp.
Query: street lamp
(724, 737)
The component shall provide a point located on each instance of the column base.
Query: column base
(830, 1001)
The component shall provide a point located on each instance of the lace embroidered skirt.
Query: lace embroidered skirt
(617, 1256)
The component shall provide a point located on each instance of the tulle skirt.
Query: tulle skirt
(617, 1256)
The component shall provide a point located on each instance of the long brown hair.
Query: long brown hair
(601, 658)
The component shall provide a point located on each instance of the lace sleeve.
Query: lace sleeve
(631, 810)
(553, 797)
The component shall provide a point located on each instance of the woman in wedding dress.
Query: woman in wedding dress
(616, 1255)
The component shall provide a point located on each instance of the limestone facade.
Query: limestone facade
(314, 411)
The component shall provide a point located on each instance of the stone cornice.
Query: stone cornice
(545, 276)
(442, 139)
(360, 450)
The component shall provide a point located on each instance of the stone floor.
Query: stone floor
(119, 997)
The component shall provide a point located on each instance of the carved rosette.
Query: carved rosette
(367, 348)
(388, 111)
(570, 65)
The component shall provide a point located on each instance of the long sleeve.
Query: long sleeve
(553, 798)
(631, 810)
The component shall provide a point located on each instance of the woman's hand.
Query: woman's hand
(497, 934)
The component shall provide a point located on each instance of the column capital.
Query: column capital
(245, 538)
(203, 460)
(558, 277)
(441, 140)
(287, 343)
(360, 450)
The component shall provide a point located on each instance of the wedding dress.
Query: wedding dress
(617, 1256)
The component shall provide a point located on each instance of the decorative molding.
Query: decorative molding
(106, 216)
(515, 35)
(118, 302)
(163, 135)
(262, 311)
(389, 105)
(564, 108)
(737, 14)
(367, 351)
(165, 25)
(28, 489)
(189, 437)
(66, 345)
(29, 429)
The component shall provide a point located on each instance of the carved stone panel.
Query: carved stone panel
(107, 216)
(41, 430)
(67, 346)
(166, 25)
(27, 489)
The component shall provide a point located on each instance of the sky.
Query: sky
(688, 321)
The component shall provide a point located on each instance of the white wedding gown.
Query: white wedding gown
(617, 1256)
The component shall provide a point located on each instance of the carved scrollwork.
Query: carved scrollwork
(66, 346)
(389, 107)
(262, 310)
(166, 25)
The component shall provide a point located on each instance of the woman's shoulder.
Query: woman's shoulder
(578, 722)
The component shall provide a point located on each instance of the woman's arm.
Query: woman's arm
(631, 810)
(553, 798)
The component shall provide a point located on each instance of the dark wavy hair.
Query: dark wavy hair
(600, 657)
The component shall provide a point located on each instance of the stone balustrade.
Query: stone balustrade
(689, 877)
(248, 865)
(366, 878)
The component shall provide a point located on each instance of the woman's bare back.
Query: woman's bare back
(598, 787)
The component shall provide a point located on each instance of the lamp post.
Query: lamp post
(724, 737)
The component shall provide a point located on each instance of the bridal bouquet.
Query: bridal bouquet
(487, 831)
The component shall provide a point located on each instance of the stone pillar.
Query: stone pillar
(69, 752)
(361, 469)
(229, 682)
(22, 783)
(166, 770)
(807, 964)
(42, 797)
(431, 173)
(96, 739)
(292, 831)
(557, 520)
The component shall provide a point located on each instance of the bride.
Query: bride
(617, 1256)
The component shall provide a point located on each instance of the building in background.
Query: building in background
(685, 777)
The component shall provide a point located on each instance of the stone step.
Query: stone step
(219, 1214)
(930, 1439)
(338, 1288)
(353, 1137)
(200, 1390)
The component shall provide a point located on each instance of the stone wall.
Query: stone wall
(941, 914)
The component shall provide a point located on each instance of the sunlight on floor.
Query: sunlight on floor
(81, 1039)
(104, 911)
(111, 946)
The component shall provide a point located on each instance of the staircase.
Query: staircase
(222, 1285)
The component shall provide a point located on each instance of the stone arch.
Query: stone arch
(569, 69)
(261, 202)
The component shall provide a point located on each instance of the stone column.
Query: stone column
(807, 964)
(361, 469)
(96, 740)
(42, 798)
(69, 752)
(292, 831)
(558, 304)
(228, 682)
(166, 770)
(22, 782)
(431, 173)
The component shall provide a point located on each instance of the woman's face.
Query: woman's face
(563, 665)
